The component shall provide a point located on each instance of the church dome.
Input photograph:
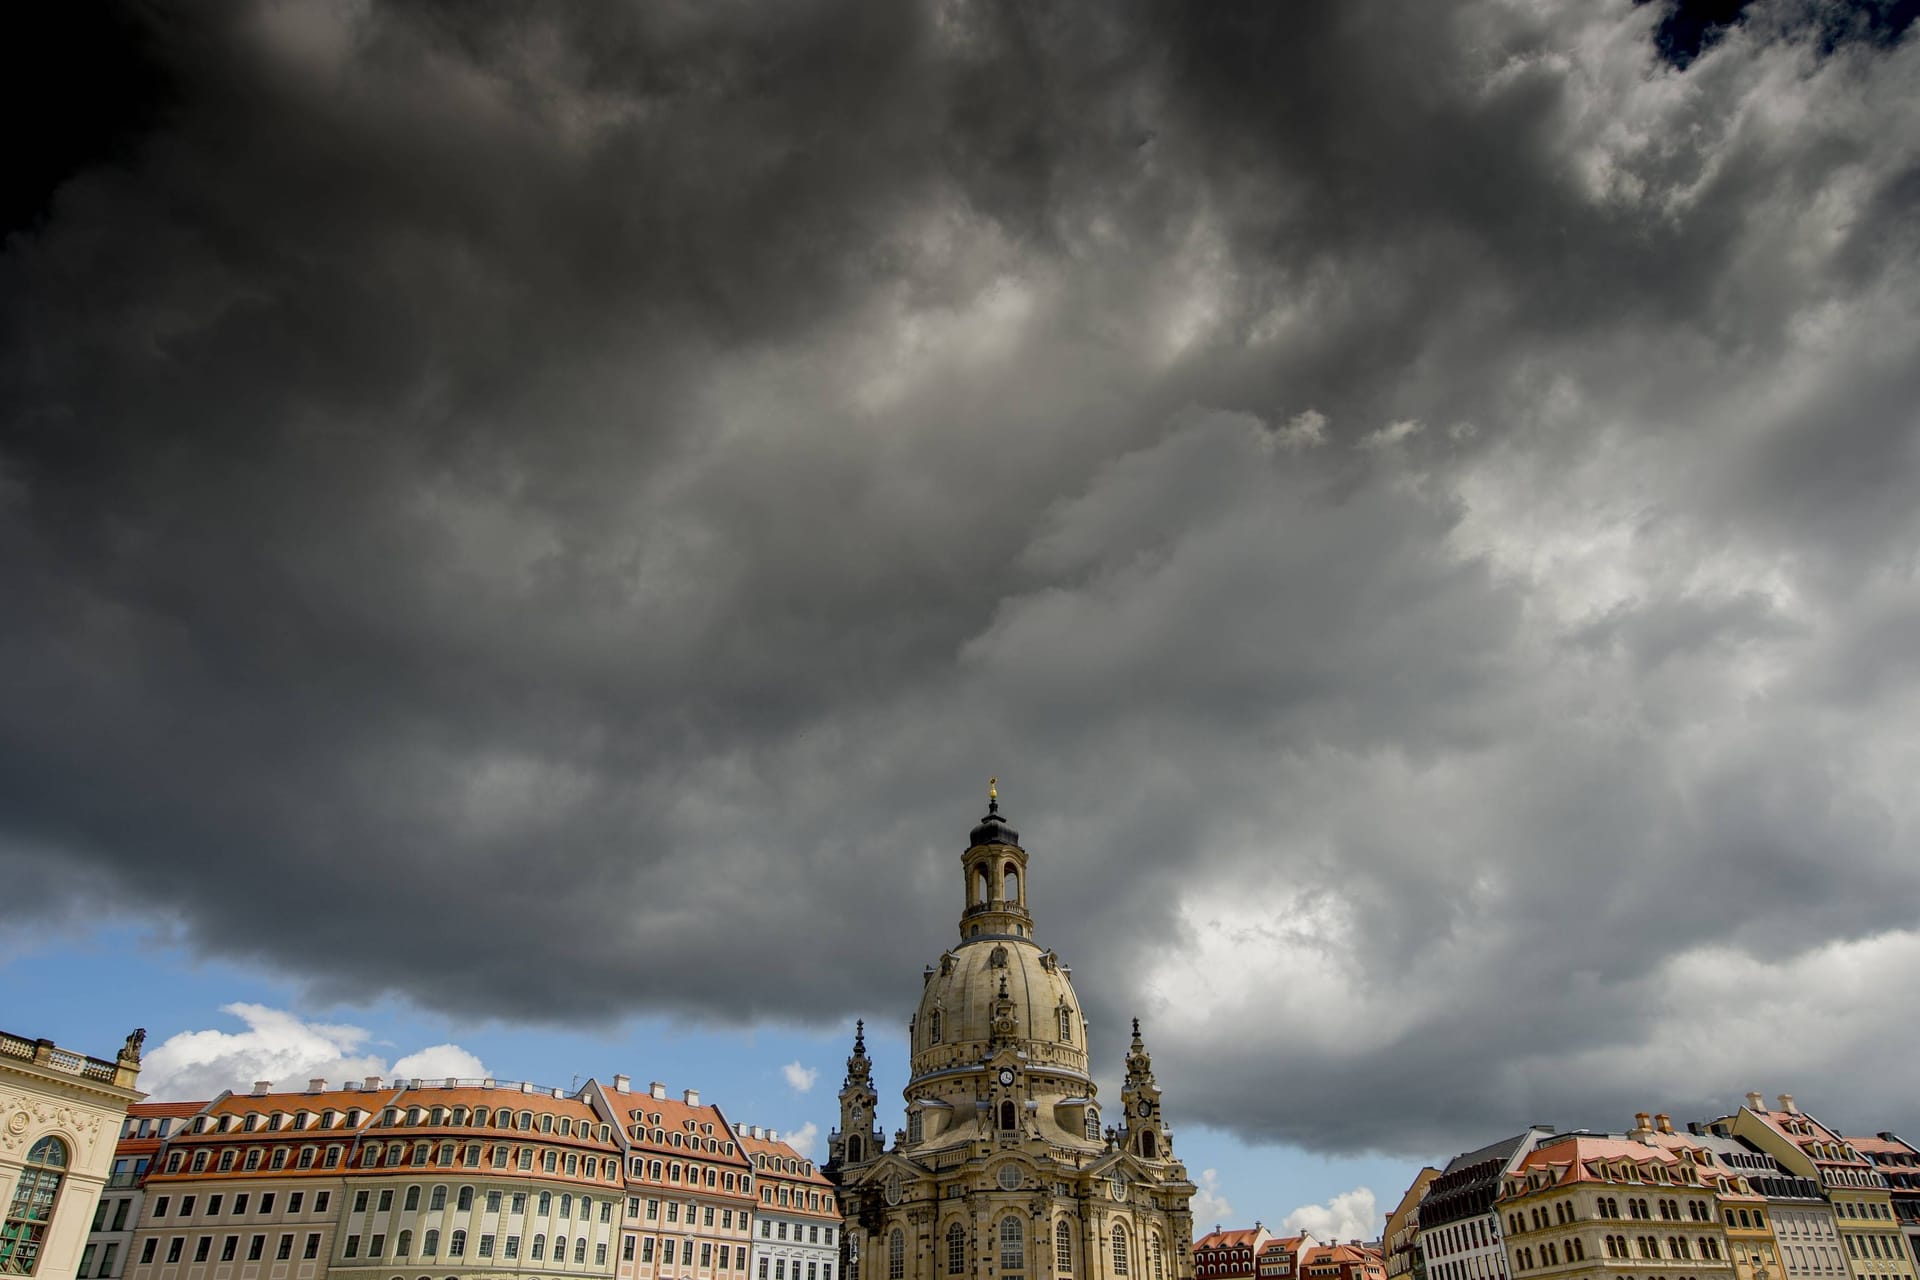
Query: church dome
(1009, 981)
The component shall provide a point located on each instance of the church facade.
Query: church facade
(1006, 1168)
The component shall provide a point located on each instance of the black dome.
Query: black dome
(993, 829)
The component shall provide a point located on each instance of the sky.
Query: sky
(525, 531)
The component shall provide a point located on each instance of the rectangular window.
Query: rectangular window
(766, 1229)
(106, 1259)
(160, 1206)
(266, 1202)
(295, 1201)
(313, 1245)
(173, 1248)
(86, 1258)
(239, 1204)
(813, 1235)
(779, 1269)
(519, 1202)
(783, 1231)
(320, 1201)
(202, 1248)
(360, 1201)
(673, 1211)
(706, 1254)
(285, 1250)
(626, 1249)
(493, 1202)
(213, 1206)
(256, 1247)
(646, 1249)
(763, 1269)
(386, 1200)
(513, 1246)
(706, 1217)
(726, 1257)
(653, 1210)
(377, 1247)
(147, 1250)
(486, 1246)
(353, 1247)
(186, 1206)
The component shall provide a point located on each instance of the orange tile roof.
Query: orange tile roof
(1233, 1239)
(637, 1110)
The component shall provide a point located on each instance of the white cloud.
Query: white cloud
(279, 1047)
(1210, 1205)
(439, 1061)
(804, 1139)
(1351, 1215)
(800, 1079)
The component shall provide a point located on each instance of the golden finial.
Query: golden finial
(993, 788)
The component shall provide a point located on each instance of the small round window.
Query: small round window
(1009, 1177)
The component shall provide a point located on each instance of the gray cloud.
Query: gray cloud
(547, 492)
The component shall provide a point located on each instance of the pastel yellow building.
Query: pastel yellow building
(60, 1116)
(1869, 1232)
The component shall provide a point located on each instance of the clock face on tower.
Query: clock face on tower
(1006, 1075)
(1145, 1108)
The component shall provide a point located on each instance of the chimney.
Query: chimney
(1888, 1135)
(317, 1085)
(755, 1131)
(1756, 1103)
(261, 1088)
(1642, 1126)
(453, 1082)
(691, 1097)
(1663, 1122)
(623, 1084)
(773, 1135)
(372, 1083)
(1786, 1104)
(657, 1090)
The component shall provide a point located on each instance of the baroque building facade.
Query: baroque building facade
(60, 1114)
(1004, 1170)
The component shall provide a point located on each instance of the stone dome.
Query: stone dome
(955, 1023)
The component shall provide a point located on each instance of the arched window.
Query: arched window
(1093, 1124)
(566, 1206)
(31, 1209)
(1159, 1263)
(580, 1249)
(457, 1244)
(1009, 1118)
(916, 1126)
(897, 1255)
(1010, 883)
(956, 1250)
(413, 1199)
(1148, 1146)
(854, 1150)
(546, 1202)
(980, 885)
(403, 1244)
(465, 1200)
(430, 1244)
(1066, 1025)
(1013, 1246)
(438, 1200)
(539, 1247)
(559, 1248)
(1063, 1248)
(933, 1028)
(1119, 1250)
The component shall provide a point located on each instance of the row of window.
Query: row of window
(256, 1246)
(792, 1199)
(1465, 1235)
(1882, 1246)
(816, 1270)
(465, 1197)
(813, 1231)
(732, 1257)
(1871, 1209)
(410, 1118)
(242, 1201)
(456, 1241)
(420, 1154)
(705, 1213)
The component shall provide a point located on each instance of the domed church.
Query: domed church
(1005, 1169)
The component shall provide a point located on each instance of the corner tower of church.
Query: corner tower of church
(1004, 1169)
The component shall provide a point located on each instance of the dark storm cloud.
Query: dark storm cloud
(1416, 504)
